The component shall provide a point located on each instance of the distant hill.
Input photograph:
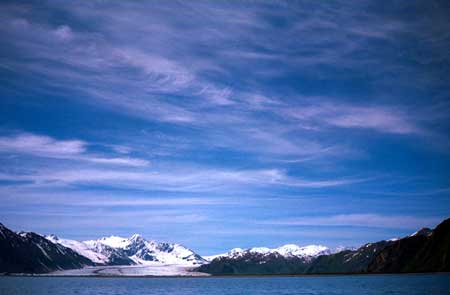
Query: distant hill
(425, 251)
(252, 263)
(286, 259)
(349, 261)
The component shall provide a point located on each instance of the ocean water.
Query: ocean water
(311, 285)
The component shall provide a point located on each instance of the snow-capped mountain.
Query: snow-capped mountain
(306, 251)
(115, 250)
(97, 252)
(142, 251)
(286, 251)
(28, 252)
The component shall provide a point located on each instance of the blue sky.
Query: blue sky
(221, 124)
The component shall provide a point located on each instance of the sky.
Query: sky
(222, 124)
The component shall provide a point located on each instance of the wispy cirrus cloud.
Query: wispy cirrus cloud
(117, 161)
(151, 75)
(185, 179)
(24, 197)
(360, 220)
(38, 145)
(168, 78)
(385, 119)
(109, 220)
(379, 119)
(48, 147)
(236, 100)
(154, 70)
(103, 217)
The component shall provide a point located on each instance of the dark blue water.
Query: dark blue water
(311, 285)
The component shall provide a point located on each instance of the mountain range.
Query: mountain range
(23, 252)
(287, 251)
(115, 250)
(27, 252)
(424, 251)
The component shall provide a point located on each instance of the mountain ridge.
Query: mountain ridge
(424, 251)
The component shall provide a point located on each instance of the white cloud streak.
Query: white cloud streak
(384, 119)
(168, 78)
(48, 147)
(38, 145)
(181, 179)
(23, 197)
(360, 220)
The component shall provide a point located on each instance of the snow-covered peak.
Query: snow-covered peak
(306, 251)
(114, 241)
(423, 232)
(143, 251)
(121, 242)
(52, 238)
(135, 238)
(236, 251)
(23, 234)
(289, 250)
(259, 250)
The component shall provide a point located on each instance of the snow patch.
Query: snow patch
(43, 252)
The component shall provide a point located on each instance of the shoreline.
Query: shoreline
(208, 276)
